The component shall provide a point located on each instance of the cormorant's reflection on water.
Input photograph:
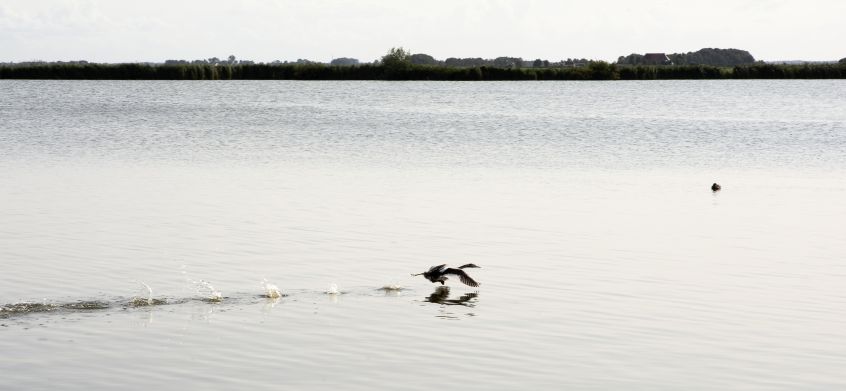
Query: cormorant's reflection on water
(441, 296)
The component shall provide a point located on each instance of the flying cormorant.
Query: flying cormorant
(439, 273)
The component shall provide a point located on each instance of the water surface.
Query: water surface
(607, 262)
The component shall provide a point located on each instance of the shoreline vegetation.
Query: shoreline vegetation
(594, 71)
(399, 64)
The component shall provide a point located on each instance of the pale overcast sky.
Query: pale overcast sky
(266, 30)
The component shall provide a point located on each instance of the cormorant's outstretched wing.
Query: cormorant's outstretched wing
(468, 265)
(462, 276)
(436, 268)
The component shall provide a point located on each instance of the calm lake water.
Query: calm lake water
(606, 260)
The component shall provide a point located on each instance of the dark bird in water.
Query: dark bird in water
(716, 187)
(439, 274)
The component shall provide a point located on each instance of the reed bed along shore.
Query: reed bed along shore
(593, 71)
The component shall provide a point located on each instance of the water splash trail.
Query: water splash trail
(270, 290)
(211, 293)
(393, 286)
(203, 287)
(139, 300)
(333, 289)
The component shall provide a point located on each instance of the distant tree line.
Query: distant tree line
(707, 56)
(400, 64)
(231, 60)
(499, 62)
(344, 61)
(596, 70)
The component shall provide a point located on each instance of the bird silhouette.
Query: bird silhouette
(439, 274)
(441, 296)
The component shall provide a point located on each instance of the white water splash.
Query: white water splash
(392, 287)
(206, 289)
(213, 294)
(203, 287)
(149, 291)
(333, 289)
(270, 290)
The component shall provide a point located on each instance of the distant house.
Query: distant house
(656, 59)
